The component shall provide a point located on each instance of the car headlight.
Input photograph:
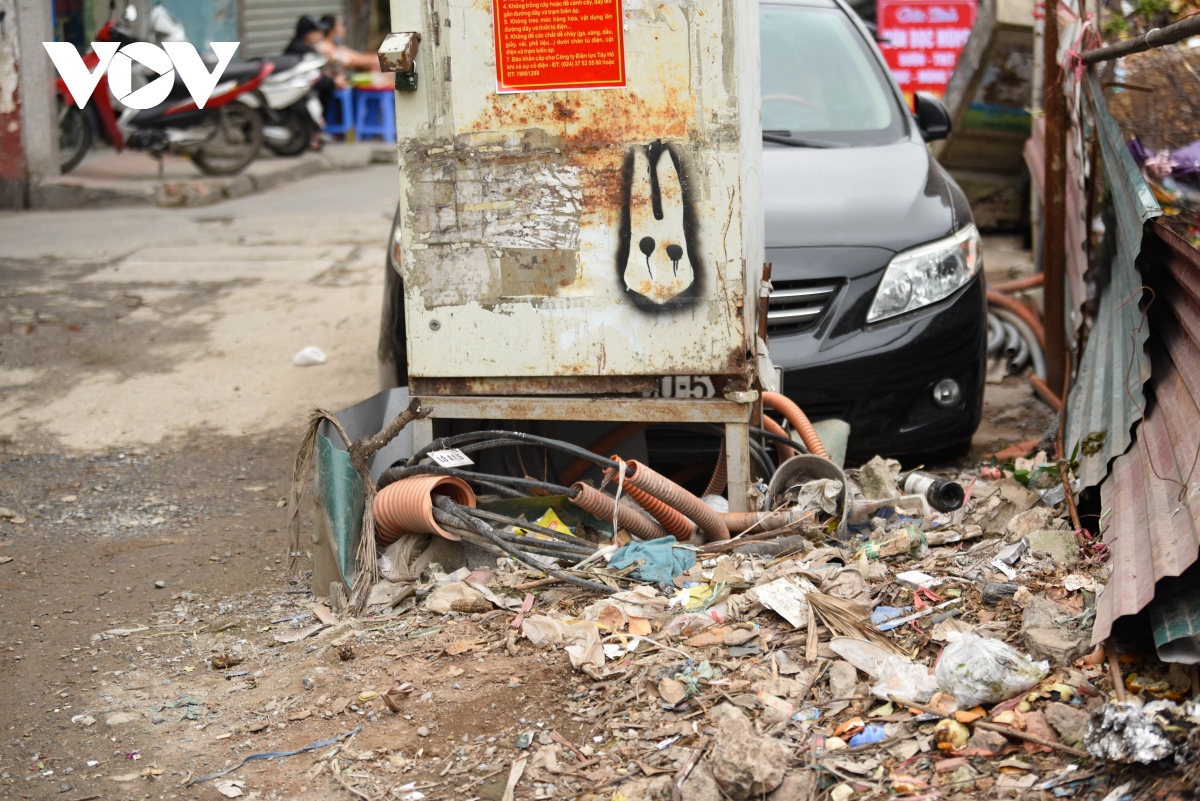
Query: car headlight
(927, 274)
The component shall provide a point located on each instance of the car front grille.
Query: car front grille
(798, 305)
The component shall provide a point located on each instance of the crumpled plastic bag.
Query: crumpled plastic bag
(823, 494)
(904, 680)
(977, 670)
(692, 675)
(688, 623)
(406, 558)
(661, 560)
(581, 639)
(441, 599)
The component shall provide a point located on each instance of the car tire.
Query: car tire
(393, 344)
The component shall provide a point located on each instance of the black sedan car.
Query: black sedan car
(878, 312)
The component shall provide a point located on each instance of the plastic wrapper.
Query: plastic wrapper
(903, 680)
(977, 670)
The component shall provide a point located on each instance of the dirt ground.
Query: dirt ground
(149, 416)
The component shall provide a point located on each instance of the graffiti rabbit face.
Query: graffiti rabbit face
(658, 267)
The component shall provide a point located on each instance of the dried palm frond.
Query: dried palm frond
(848, 619)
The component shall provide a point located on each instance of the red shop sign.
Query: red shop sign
(543, 45)
(922, 40)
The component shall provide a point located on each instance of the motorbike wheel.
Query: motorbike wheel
(74, 135)
(299, 127)
(236, 142)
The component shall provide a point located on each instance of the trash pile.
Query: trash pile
(866, 632)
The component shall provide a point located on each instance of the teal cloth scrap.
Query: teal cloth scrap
(661, 560)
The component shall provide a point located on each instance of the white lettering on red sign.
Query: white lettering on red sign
(922, 40)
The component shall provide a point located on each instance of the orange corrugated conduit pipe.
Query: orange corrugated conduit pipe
(604, 444)
(679, 526)
(798, 419)
(720, 476)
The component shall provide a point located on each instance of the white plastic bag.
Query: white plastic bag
(977, 670)
(904, 680)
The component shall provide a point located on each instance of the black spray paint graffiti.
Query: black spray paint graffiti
(658, 259)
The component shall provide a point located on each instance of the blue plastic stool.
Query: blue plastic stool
(339, 119)
(376, 114)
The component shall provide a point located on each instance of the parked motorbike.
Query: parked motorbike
(290, 110)
(221, 139)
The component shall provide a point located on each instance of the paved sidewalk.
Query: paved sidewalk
(132, 179)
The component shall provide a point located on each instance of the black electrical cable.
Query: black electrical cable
(552, 544)
(398, 473)
(447, 505)
(546, 549)
(764, 462)
(799, 447)
(542, 547)
(498, 438)
(549, 532)
(394, 473)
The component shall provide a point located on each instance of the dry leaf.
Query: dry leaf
(611, 618)
(639, 626)
(969, 715)
(672, 691)
(463, 646)
(650, 770)
(301, 715)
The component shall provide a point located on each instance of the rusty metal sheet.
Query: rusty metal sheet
(1107, 397)
(649, 410)
(1151, 499)
(562, 385)
(607, 232)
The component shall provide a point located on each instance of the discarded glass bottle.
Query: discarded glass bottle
(942, 494)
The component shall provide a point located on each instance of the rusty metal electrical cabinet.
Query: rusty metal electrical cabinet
(581, 199)
(598, 232)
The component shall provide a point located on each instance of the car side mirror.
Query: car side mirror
(932, 117)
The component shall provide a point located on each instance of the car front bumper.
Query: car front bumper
(880, 378)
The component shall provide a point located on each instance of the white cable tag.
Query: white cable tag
(451, 457)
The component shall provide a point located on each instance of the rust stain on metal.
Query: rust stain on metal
(634, 386)
(618, 115)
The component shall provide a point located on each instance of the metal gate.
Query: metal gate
(268, 25)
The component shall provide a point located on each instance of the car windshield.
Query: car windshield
(820, 82)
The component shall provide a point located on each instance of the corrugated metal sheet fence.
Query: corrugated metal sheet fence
(1106, 399)
(266, 26)
(1151, 500)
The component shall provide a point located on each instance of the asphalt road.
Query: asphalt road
(121, 327)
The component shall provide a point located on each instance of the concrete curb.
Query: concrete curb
(68, 193)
